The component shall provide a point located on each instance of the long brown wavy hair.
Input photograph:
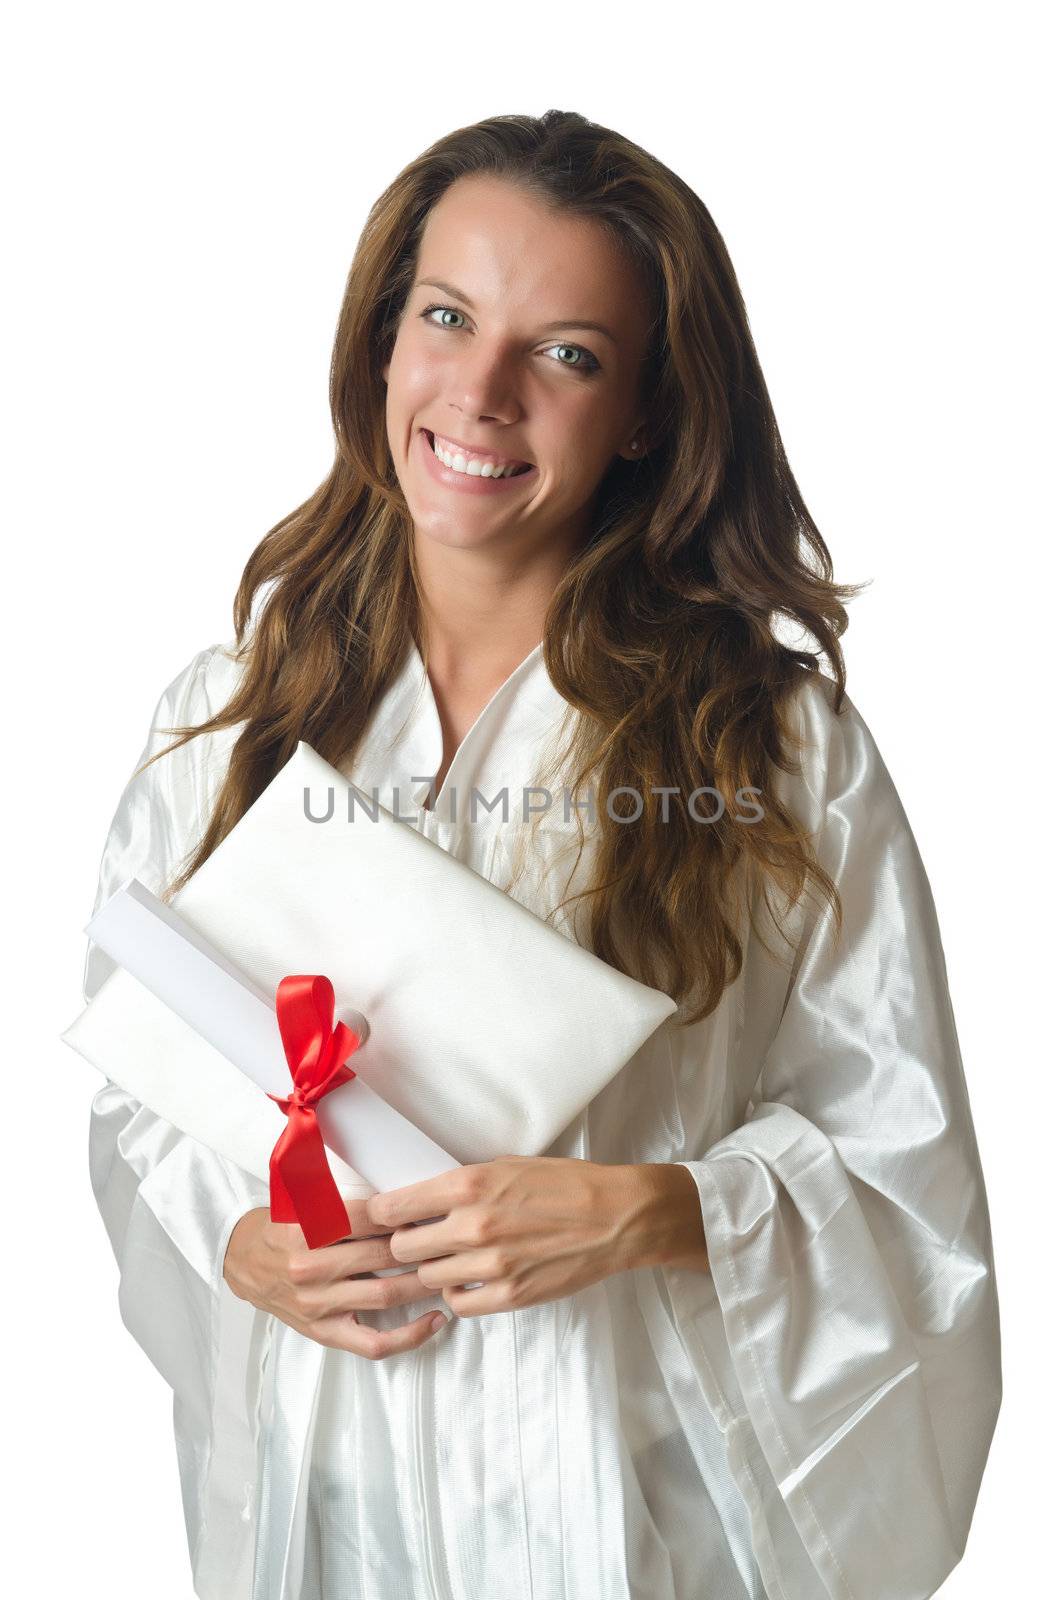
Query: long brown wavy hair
(661, 633)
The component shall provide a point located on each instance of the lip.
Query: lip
(460, 480)
(494, 457)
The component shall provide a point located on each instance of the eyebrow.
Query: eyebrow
(458, 294)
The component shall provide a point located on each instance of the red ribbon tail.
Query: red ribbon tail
(302, 1188)
(281, 1206)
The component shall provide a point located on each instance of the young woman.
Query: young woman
(736, 1333)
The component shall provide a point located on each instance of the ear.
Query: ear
(386, 372)
(639, 435)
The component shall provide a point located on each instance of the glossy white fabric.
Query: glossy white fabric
(810, 1421)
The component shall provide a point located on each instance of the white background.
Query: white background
(184, 190)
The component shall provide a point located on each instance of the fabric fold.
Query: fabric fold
(846, 1218)
(169, 1204)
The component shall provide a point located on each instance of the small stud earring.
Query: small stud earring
(633, 445)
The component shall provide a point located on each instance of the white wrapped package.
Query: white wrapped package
(154, 943)
(488, 1030)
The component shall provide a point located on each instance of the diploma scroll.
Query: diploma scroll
(207, 991)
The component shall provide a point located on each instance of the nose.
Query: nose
(484, 384)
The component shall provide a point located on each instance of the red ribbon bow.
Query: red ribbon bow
(301, 1186)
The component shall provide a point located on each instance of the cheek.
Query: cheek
(415, 372)
(581, 454)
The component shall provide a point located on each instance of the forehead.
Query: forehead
(508, 249)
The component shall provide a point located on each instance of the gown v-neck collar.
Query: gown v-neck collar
(403, 748)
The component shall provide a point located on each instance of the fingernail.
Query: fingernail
(439, 1320)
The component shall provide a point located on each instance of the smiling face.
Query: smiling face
(489, 357)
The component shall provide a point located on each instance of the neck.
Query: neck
(482, 612)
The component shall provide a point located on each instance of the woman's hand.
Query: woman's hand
(536, 1228)
(319, 1292)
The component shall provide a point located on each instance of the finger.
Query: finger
(341, 1261)
(333, 1262)
(421, 1241)
(357, 1211)
(312, 1302)
(346, 1333)
(290, 1241)
(375, 1294)
(453, 1272)
(417, 1202)
(483, 1300)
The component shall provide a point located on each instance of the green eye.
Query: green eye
(586, 365)
(589, 364)
(455, 313)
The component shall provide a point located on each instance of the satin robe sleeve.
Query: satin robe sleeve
(168, 1202)
(846, 1218)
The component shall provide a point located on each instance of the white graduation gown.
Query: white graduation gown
(810, 1421)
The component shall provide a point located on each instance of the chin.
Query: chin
(452, 536)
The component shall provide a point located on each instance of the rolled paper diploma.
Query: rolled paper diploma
(205, 990)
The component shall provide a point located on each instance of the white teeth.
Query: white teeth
(474, 468)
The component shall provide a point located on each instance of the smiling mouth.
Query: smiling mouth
(517, 472)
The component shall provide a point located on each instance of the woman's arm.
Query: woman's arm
(134, 1155)
(667, 1218)
(847, 1218)
(525, 1229)
(168, 1203)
